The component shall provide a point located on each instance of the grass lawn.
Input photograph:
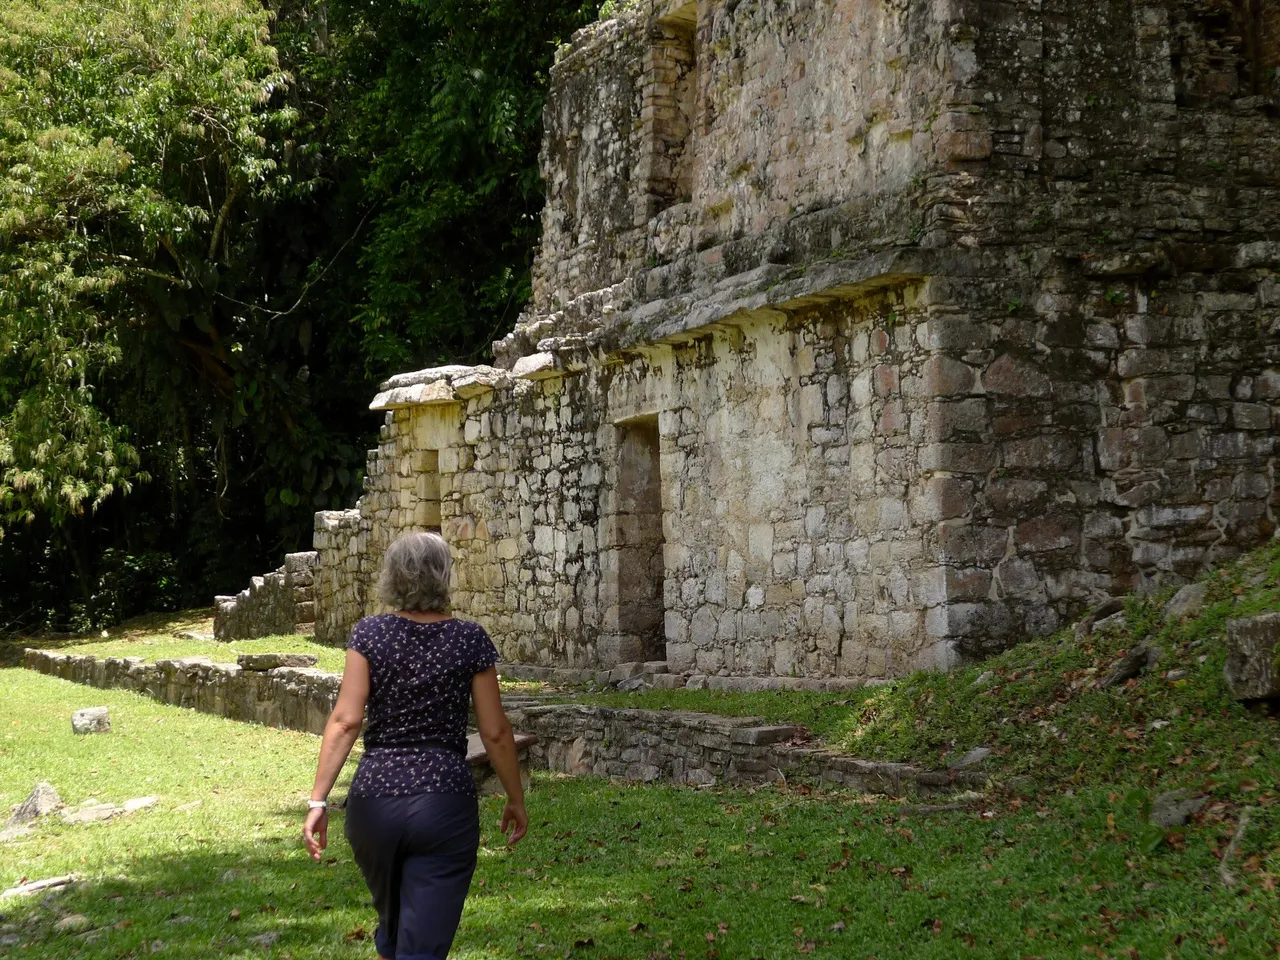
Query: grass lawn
(609, 870)
(155, 637)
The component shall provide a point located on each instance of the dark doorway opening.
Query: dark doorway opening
(640, 562)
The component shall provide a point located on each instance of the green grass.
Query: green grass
(155, 637)
(608, 871)
(824, 715)
(158, 647)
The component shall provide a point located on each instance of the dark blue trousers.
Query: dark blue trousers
(417, 855)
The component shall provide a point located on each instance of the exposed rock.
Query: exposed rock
(34, 886)
(1252, 669)
(269, 661)
(1104, 611)
(42, 801)
(90, 813)
(984, 678)
(264, 939)
(1175, 808)
(73, 923)
(625, 671)
(91, 720)
(638, 682)
(971, 759)
(1187, 602)
(1127, 667)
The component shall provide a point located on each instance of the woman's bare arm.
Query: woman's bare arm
(500, 744)
(340, 735)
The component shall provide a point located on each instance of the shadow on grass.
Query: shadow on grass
(631, 872)
(257, 897)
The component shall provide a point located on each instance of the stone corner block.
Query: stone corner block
(1253, 647)
(760, 736)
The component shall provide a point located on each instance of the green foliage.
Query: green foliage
(129, 132)
(438, 104)
(219, 229)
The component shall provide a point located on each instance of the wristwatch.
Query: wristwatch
(318, 804)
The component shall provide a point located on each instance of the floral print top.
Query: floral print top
(415, 735)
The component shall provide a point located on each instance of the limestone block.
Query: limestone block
(269, 661)
(91, 720)
(1252, 669)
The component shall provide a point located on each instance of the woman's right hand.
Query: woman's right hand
(515, 822)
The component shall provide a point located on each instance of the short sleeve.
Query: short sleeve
(361, 640)
(484, 653)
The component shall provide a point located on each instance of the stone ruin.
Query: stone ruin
(866, 336)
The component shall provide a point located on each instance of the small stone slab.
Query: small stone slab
(972, 758)
(91, 720)
(1253, 647)
(270, 661)
(1175, 808)
(35, 886)
(760, 736)
(90, 813)
(477, 755)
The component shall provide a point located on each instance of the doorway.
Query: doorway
(640, 565)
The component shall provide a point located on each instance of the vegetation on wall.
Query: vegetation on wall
(220, 226)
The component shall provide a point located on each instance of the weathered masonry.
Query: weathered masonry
(866, 335)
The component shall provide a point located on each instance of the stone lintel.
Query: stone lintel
(537, 366)
(438, 386)
(448, 373)
(417, 395)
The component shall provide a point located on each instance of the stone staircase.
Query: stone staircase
(280, 602)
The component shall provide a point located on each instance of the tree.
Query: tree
(131, 134)
(220, 226)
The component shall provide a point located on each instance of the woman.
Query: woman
(412, 813)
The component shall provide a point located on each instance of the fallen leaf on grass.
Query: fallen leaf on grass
(357, 935)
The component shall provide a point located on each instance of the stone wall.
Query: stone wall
(643, 745)
(702, 749)
(291, 698)
(344, 572)
(278, 603)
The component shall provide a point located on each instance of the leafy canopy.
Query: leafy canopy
(130, 133)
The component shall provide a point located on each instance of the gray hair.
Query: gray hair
(415, 574)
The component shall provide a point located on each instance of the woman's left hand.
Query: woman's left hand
(315, 832)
